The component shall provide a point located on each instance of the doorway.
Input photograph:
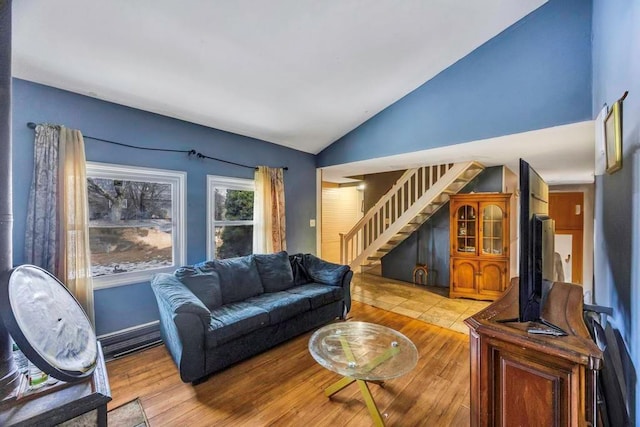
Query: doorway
(567, 210)
(341, 209)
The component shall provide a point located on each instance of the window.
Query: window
(230, 217)
(136, 222)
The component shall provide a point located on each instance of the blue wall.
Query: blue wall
(498, 89)
(433, 238)
(616, 68)
(126, 306)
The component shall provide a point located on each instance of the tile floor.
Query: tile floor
(429, 303)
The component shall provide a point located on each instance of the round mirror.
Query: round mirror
(48, 324)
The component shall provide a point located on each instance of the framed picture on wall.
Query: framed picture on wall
(613, 137)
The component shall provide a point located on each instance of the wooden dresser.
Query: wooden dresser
(521, 379)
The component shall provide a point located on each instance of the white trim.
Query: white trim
(228, 182)
(178, 181)
(319, 174)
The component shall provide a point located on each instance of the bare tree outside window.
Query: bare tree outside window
(131, 223)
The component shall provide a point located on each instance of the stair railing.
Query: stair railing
(400, 198)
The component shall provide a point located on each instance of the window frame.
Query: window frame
(178, 182)
(244, 184)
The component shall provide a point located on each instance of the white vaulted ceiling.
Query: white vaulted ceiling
(300, 73)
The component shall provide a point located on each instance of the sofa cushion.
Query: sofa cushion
(325, 272)
(318, 294)
(300, 274)
(204, 285)
(275, 271)
(239, 278)
(281, 305)
(233, 320)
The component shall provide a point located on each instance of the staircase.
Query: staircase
(413, 199)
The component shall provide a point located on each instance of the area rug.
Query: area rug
(130, 414)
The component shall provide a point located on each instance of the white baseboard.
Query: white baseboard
(119, 343)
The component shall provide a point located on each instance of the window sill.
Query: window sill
(123, 279)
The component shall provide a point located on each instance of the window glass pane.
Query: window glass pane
(233, 240)
(230, 227)
(117, 200)
(121, 249)
(131, 228)
(233, 205)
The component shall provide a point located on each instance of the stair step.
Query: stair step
(411, 226)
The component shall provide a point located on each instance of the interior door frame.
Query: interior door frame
(587, 190)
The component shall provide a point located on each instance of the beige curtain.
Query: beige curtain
(269, 230)
(74, 262)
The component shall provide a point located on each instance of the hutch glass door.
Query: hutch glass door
(492, 233)
(466, 229)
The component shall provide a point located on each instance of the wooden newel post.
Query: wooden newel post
(9, 375)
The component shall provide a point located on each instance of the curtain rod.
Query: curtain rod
(32, 125)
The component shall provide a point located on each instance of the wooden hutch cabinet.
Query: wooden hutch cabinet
(479, 258)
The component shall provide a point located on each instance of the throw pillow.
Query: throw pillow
(239, 278)
(204, 285)
(324, 272)
(300, 273)
(275, 271)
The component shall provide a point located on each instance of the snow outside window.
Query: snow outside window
(136, 222)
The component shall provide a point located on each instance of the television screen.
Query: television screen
(536, 243)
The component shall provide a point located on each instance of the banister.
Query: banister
(400, 182)
(371, 228)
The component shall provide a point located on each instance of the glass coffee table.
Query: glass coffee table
(363, 353)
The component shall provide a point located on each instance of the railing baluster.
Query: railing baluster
(354, 243)
(385, 214)
(413, 185)
(375, 226)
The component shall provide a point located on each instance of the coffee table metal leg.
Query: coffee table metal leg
(371, 404)
(337, 386)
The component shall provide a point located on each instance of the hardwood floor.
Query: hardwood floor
(284, 386)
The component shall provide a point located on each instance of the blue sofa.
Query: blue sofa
(216, 313)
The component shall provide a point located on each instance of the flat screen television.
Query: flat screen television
(536, 249)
